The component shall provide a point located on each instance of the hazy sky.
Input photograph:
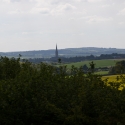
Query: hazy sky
(40, 24)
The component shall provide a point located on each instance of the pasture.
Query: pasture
(98, 63)
(102, 72)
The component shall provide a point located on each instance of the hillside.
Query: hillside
(68, 52)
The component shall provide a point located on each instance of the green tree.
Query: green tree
(59, 60)
(92, 66)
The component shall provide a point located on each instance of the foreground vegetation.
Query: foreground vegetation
(42, 94)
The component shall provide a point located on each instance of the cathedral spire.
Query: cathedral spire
(56, 52)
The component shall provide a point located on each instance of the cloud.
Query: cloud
(94, 19)
(55, 2)
(72, 19)
(40, 7)
(80, 0)
(6, 1)
(40, 10)
(122, 12)
(63, 8)
(44, 10)
(57, 20)
(82, 34)
(67, 7)
(25, 33)
(121, 23)
(16, 12)
(15, 0)
(106, 5)
(95, 1)
(30, 33)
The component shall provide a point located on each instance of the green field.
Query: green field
(98, 63)
(102, 72)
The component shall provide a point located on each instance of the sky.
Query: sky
(41, 24)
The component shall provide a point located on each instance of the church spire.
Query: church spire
(56, 52)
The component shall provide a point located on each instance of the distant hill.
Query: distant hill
(68, 52)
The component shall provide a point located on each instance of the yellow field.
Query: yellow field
(111, 78)
(115, 78)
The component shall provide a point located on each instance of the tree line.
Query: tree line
(79, 58)
(119, 68)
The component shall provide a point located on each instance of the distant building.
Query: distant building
(56, 52)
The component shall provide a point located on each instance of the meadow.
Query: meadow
(98, 63)
(102, 72)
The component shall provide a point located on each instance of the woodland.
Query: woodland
(78, 58)
(41, 94)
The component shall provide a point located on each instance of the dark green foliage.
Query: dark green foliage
(84, 68)
(59, 60)
(43, 95)
(119, 68)
(92, 66)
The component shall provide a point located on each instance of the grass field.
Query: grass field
(102, 72)
(98, 63)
